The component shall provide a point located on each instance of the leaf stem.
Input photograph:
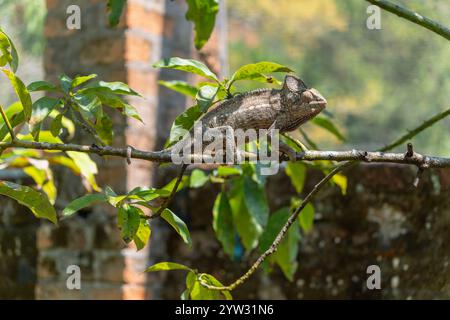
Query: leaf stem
(8, 124)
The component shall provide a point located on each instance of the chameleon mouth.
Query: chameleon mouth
(317, 105)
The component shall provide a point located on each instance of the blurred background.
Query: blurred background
(378, 83)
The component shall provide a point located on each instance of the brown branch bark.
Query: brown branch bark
(309, 155)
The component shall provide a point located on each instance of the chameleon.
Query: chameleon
(284, 109)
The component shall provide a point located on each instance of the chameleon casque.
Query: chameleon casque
(284, 109)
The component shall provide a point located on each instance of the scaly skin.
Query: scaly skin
(284, 109)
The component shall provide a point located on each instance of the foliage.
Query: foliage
(202, 13)
(241, 218)
(372, 78)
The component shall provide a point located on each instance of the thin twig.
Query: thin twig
(292, 218)
(366, 156)
(413, 17)
(172, 194)
(428, 123)
(8, 124)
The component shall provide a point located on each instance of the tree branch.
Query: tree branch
(164, 156)
(413, 17)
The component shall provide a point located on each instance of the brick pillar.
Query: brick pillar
(149, 30)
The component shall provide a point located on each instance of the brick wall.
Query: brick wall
(149, 30)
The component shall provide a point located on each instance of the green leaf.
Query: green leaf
(341, 181)
(211, 280)
(246, 225)
(43, 178)
(223, 223)
(142, 234)
(203, 14)
(65, 82)
(82, 79)
(37, 202)
(198, 179)
(178, 224)
(22, 93)
(41, 86)
(256, 201)
(286, 254)
(115, 8)
(306, 218)
(104, 129)
(183, 123)
(181, 87)
(169, 187)
(41, 110)
(297, 173)
(9, 52)
(88, 168)
(256, 71)
(83, 202)
(118, 88)
(90, 105)
(188, 65)
(56, 125)
(205, 97)
(131, 112)
(329, 126)
(128, 220)
(224, 171)
(165, 266)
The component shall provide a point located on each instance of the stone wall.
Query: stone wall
(382, 220)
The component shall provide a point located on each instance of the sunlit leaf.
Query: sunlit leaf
(205, 97)
(164, 266)
(88, 168)
(142, 234)
(178, 224)
(22, 93)
(256, 71)
(128, 220)
(188, 65)
(306, 218)
(41, 110)
(65, 82)
(341, 181)
(82, 79)
(297, 173)
(104, 129)
(203, 14)
(198, 179)
(37, 202)
(183, 123)
(83, 202)
(224, 172)
(180, 86)
(9, 52)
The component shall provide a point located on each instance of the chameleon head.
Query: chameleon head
(302, 103)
